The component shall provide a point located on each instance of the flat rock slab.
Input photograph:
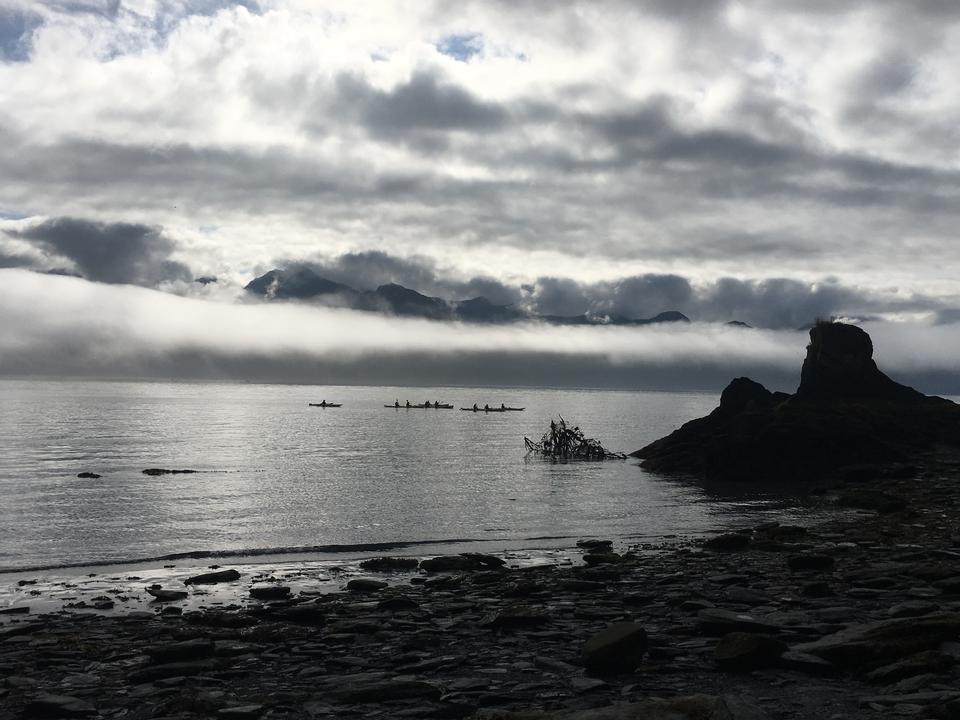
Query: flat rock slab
(716, 621)
(161, 595)
(871, 645)
(214, 577)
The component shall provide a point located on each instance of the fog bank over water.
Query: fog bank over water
(64, 326)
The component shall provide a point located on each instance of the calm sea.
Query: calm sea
(279, 475)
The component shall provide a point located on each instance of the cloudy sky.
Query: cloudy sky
(767, 161)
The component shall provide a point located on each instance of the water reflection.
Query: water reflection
(278, 473)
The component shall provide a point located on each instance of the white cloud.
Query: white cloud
(585, 140)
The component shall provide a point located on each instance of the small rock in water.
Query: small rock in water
(595, 545)
(449, 563)
(389, 564)
(88, 475)
(162, 595)
(214, 577)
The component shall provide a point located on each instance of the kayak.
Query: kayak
(325, 404)
(441, 406)
(493, 409)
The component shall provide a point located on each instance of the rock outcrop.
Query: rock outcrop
(846, 412)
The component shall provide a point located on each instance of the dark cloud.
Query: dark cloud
(423, 103)
(775, 303)
(109, 252)
(558, 296)
(643, 296)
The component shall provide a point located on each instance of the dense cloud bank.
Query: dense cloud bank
(137, 254)
(107, 252)
(69, 326)
(776, 303)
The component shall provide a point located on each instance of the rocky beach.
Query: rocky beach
(855, 614)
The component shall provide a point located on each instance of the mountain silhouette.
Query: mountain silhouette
(304, 284)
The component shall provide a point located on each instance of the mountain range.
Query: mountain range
(302, 283)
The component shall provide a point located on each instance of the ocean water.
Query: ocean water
(277, 475)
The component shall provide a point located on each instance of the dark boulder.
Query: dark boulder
(617, 649)
(846, 414)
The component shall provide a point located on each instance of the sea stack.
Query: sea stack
(845, 412)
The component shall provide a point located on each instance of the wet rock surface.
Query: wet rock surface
(729, 629)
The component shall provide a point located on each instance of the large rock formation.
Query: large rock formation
(845, 412)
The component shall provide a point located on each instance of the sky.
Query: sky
(769, 162)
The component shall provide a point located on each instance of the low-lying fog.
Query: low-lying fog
(63, 326)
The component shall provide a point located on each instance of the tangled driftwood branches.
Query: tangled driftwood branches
(565, 443)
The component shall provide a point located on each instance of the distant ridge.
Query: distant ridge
(302, 283)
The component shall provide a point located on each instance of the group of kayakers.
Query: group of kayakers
(487, 407)
(427, 404)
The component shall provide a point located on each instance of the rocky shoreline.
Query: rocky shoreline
(858, 616)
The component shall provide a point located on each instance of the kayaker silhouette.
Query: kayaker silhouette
(396, 403)
(475, 408)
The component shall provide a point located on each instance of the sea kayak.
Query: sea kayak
(493, 409)
(325, 404)
(421, 407)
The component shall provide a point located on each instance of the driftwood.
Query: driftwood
(565, 443)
